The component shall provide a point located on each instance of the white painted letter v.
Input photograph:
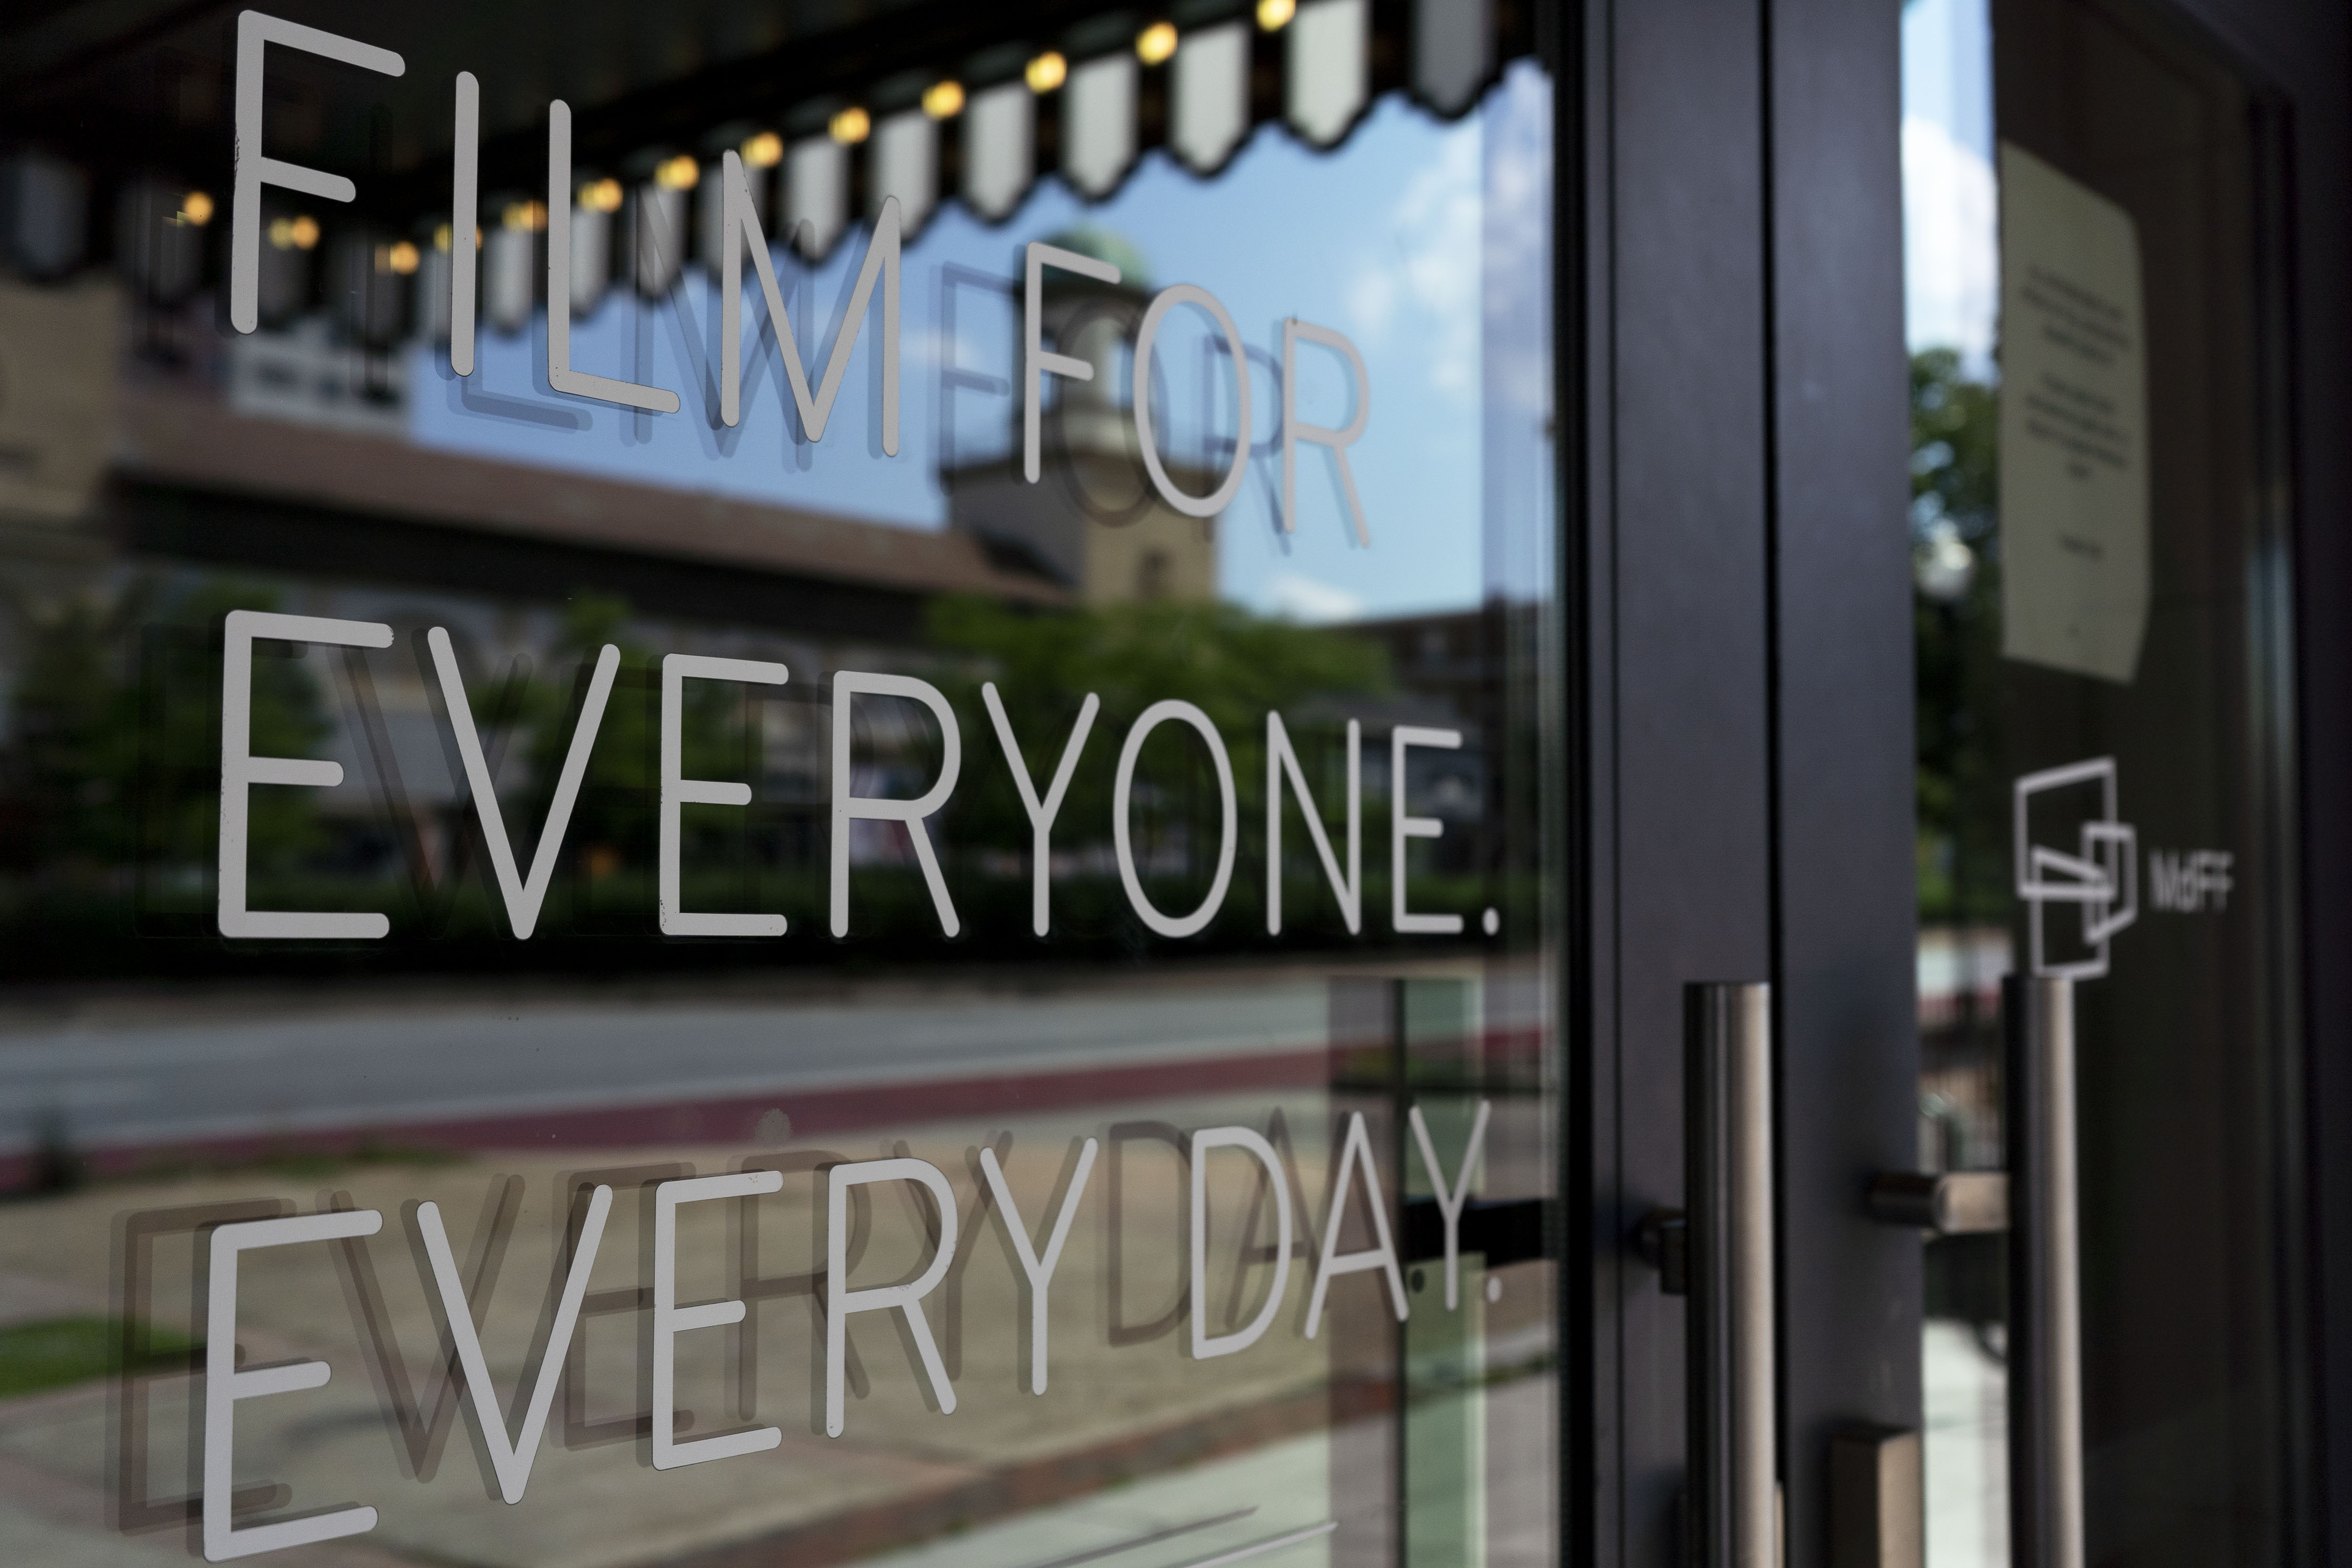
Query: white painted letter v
(511, 1458)
(523, 896)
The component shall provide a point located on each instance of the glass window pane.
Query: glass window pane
(848, 866)
(2104, 753)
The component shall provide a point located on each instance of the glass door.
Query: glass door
(1895, 1260)
(2107, 765)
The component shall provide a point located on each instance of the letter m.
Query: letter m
(739, 230)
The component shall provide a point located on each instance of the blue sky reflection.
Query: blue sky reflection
(1383, 239)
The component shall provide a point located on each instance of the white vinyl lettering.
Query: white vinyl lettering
(225, 1386)
(1294, 430)
(1036, 362)
(1205, 1344)
(739, 231)
(1403, 827)
(255, 33)
(841, 1301)
(240, 770)
(1355, 1156)
(1040, 1272)
(511, 1458)
(2189, 882)
(1216, 501)
(465, 222)
(1451, 1196)
(1041, 813)
(670, 1320)
(848, 807)
(677, 669)
(1122, 833)
(1282, 761)
(560, 374)
(524, 895)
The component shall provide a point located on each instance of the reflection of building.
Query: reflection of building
(267, 494)
(1450, 655)
(266, 468)
(188, 464)
(1468, 668)
(1092, 521)
(56, 385)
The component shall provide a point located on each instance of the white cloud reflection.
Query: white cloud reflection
(1429, 264)
(1310, 603)
(1951, 246)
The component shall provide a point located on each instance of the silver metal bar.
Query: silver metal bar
(1734, 1494)
(2045, 1317)
(1947, 1203)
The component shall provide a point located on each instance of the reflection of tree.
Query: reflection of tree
(616, 806)
(110, 738)
(112, 782)
(1962, 830)
(614, 821)
(1234, 666)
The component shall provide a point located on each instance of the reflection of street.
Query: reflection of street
(1187, 1519)
(508, 1070)
(1130, 1432)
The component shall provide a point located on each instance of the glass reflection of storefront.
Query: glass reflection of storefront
(894, 783)
(1057, 1238)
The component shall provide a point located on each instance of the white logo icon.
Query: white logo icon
(2100, 876)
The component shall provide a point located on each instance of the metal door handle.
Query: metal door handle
(2045, 1314)
(1733, 1507)
(1947, 1203)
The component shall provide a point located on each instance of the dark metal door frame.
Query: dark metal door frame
(2304, 53)
(1738, 605)
(1668, 421)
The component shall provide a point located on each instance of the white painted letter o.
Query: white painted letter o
(1216, 501)
(1123, 789)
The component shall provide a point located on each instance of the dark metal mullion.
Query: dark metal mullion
(1843, 789)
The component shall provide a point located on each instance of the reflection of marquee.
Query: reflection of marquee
(2101, 877)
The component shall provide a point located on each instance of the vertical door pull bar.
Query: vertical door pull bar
(1734, 1491)
(2045, 1313)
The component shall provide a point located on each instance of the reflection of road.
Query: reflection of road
(1126, 1406)
(584, 1065)
(1337, 1484)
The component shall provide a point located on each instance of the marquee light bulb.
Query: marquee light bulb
(851, 126)
(196, 207)
(1156, 44)
(678, 173)
(1273, 16)
(601, 195)
(1047, 72)
(763, 150)
(943, 100)
(402, 259)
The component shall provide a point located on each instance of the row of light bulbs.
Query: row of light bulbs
(943, 100)
(299, 233)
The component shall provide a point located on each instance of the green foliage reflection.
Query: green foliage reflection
(1235, 667)
(1963, 832)
(118, 711)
